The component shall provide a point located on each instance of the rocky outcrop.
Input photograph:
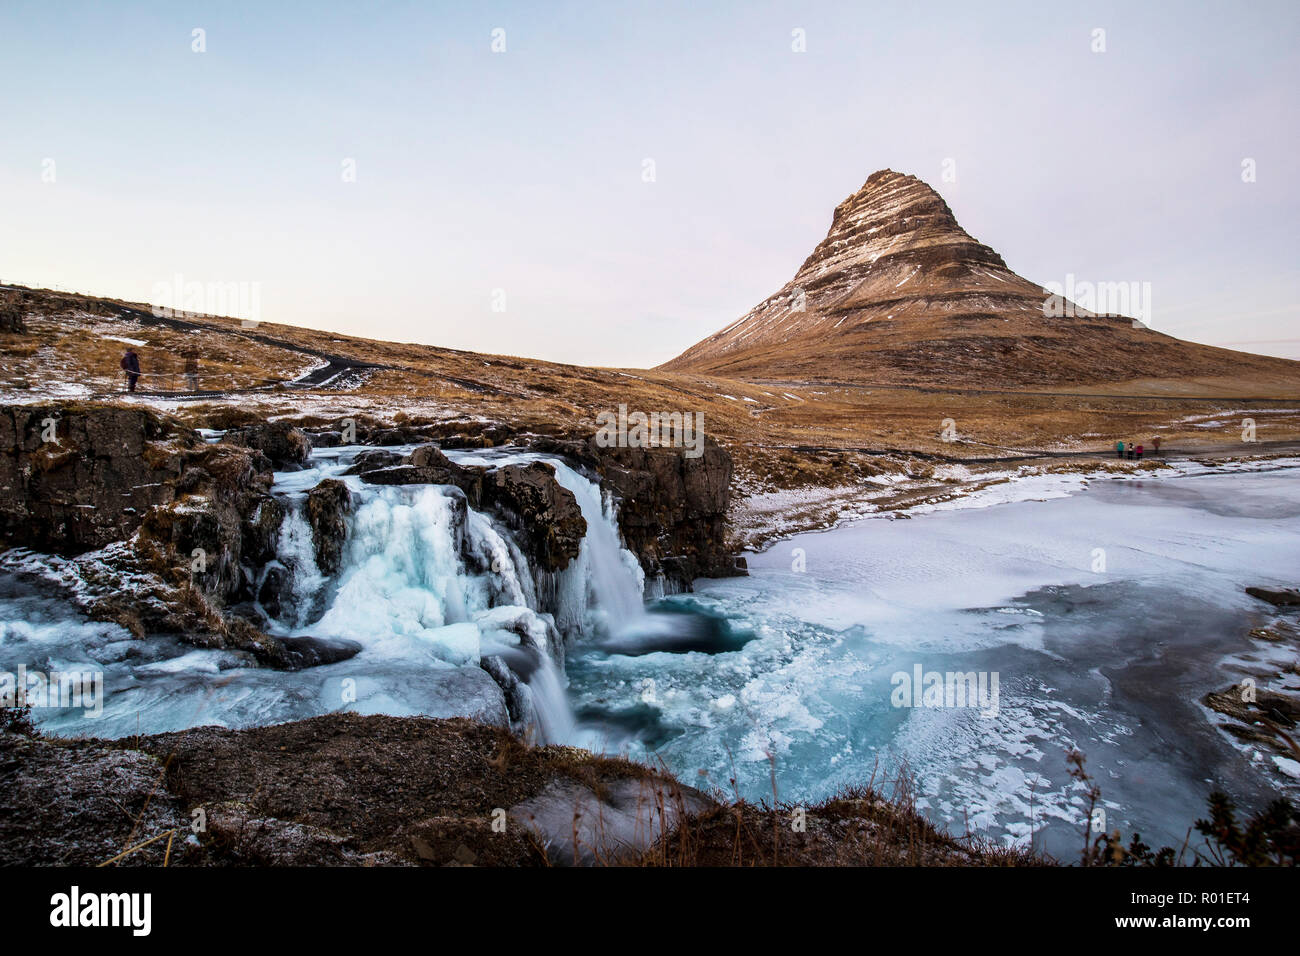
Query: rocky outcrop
(528, 498)
(671, 508)
(285, 446)
(12, 312)
(200, 537)
(546, 514)
(328, 505)
(74, 478)
(166, 529)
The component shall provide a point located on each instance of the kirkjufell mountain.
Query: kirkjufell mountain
(899, 293)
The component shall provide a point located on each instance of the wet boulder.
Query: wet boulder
(1279, 597)
(372, 461)
(328, 505)
(301, 652)
(545, 514)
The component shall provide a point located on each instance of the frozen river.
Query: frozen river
(1104, 611)
(1087, 614)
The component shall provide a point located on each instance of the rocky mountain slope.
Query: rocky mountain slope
(898, 292)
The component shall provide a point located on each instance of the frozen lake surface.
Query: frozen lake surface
(1111, 661)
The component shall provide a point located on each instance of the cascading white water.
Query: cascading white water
(609, 571)
(554, 713)
(296, 552)
(424, 577)
(402, 587)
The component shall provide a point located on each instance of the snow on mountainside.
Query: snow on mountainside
(898, 292)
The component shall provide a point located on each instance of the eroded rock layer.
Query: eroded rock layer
(898, 292)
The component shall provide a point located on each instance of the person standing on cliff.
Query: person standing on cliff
(131, 366)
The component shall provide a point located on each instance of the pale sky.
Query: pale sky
(522, 170)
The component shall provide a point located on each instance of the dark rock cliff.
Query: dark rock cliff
(672, 508)
(75, 478)
(173, 522)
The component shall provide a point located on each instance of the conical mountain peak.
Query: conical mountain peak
(899, 292)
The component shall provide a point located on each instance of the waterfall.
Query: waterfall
(610, 572)
(425, 580)
(403, 587)
(296, 550)
(554, 713)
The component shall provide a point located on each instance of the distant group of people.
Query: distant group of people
(131, 367)
(1133, 451)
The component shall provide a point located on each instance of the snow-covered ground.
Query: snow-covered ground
(782, 513)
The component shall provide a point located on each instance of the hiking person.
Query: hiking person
(131, 366)
(192, 370)
(1139, 453)
(1119, 449)
(1155, 445)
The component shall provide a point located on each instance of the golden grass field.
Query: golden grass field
(782, 434)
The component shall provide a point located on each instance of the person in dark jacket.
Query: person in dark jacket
(131, 366)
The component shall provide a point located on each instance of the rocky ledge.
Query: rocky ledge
(672, 509)
(139, 521)
(350, 790)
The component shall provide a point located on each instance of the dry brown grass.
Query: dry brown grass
(781, 434)
(872, 824)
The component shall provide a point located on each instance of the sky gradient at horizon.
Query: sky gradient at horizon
(522, 170)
